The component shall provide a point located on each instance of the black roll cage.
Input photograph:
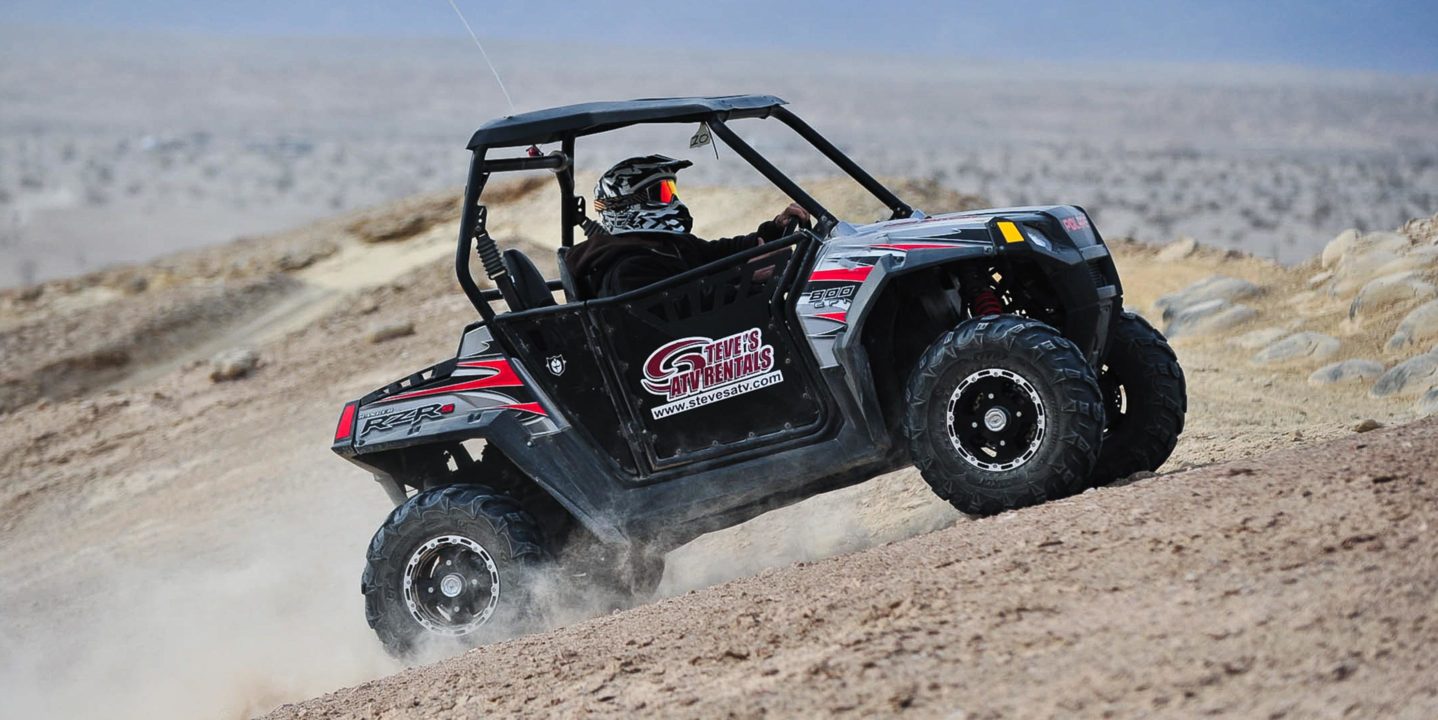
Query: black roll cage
(561, 162)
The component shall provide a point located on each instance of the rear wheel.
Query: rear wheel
(451, 567)
(1004, 412)
(1145, 399)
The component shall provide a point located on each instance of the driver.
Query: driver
(643, 234)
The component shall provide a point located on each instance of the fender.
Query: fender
(849, 350)
(485, 396)
(1076, 262)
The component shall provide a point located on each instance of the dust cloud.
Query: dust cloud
(883, 510)
(198, 631)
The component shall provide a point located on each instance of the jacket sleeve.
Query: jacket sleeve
(768, 231)
(638, 270)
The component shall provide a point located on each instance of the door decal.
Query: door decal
(696, 371)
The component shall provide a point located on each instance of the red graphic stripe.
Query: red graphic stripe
(835, 316)
(906, 247)
(459, 387)
(504, 376)
(843, 275)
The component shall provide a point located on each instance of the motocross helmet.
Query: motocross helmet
(639, 194)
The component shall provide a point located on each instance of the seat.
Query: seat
(566, 278)
(526, 289)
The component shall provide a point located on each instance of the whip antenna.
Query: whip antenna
(487, 61)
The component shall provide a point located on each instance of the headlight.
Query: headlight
(1037, 237)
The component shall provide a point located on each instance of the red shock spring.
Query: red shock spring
(986, 302)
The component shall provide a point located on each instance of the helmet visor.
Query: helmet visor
(665, 191)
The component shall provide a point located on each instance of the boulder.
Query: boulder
(1399, 288)
(1347, 371)
(1423, 258)
(1410, 377)
(1386, 240)
(1354, 271)
(1422, 230)
(1178, 249)
(1418, 327)
(233, 364)
(1350, 244)
(1367, 425)
(1298, 347)
(390, 331)
(1262, 337)
(1216, 287)
(1412, 260)
(1206, 318)
(1428, 403)
(1337, 247)
(1198, 309)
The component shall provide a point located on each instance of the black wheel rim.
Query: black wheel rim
(996, 420)
(1115, 398)
(451, 585)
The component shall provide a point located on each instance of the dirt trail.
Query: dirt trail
(177, 548)
(318, 290)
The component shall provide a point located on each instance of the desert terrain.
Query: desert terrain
(1298, 583)
(122, 146)
(179, 547)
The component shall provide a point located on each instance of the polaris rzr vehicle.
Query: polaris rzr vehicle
(990, 349)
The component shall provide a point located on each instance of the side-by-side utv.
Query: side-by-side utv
(990, 349)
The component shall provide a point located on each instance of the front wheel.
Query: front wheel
(1145, 401)
(449, 568)
(1003, 413)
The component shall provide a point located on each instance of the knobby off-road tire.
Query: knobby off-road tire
(1145, 399)
(449, 568)
(589, 565)
(1003, 413)
(496, 471)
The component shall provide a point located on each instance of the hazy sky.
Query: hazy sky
(1397, 35)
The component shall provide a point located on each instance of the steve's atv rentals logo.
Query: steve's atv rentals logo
(696, 371)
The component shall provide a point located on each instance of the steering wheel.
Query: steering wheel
(794, 224)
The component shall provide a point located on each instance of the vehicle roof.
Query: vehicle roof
(555, 124)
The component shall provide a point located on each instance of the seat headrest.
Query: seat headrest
(528, 289)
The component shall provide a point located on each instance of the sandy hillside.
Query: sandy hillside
(1300, 583)
(178, 547)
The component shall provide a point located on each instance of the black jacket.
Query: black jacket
(608, 264)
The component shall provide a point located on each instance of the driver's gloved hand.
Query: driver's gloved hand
(769, 231)
(791, 214)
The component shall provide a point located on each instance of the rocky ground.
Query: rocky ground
(180, 542)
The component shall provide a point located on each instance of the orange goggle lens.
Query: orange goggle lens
(667, 191)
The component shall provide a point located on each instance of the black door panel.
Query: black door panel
(559, 348)
(709, 366)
